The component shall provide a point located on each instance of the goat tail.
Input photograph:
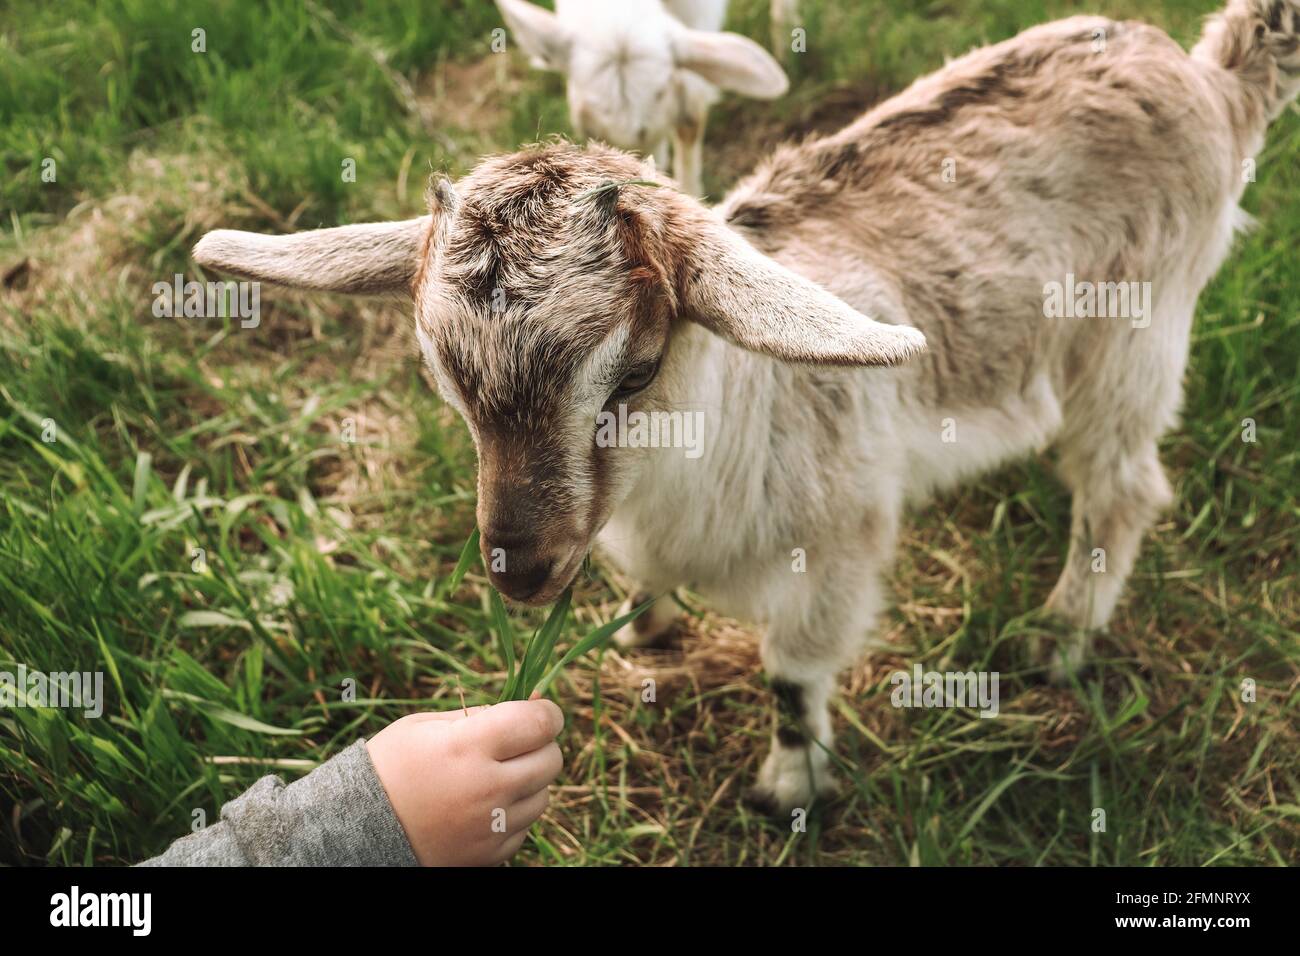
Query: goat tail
(1259, 41)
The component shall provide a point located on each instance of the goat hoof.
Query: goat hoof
(768, 803)
(653, 628)
(1059, 647)
(1069, 661)
(761, 800)
(790, 780)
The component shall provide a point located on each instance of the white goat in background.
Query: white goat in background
(642, 73)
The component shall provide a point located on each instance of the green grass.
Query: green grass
(260, 592)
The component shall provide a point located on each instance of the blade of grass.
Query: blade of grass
(595, 639)
(540, 647)
(467, 556)
(506, 637)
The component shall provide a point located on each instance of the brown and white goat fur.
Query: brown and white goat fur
(545, 292)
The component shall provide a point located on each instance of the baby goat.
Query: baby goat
(644, 72)
(1082, 151)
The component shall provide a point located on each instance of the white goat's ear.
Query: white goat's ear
(367, 259)
(730, 61)
(754, 302)
(539, 32)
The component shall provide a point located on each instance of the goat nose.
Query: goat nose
(520, 576)
(515, 562)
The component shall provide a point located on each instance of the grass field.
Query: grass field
(181, 508)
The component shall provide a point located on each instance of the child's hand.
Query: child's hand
(467, 788)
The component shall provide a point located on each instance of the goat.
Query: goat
(644, 72)
(552, 285)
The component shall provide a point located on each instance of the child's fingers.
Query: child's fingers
(454, 714)
(460, 713)
(530, 772)
(510, 847)
(520, 816)
(516, 727)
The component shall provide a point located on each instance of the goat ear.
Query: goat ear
(732, 62)
(370, 259)
(539, 32)
(754, 302)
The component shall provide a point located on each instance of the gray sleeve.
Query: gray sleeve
(337, 815)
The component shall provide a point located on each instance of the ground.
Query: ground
(180, 508)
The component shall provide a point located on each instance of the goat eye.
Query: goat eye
(637, 379)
